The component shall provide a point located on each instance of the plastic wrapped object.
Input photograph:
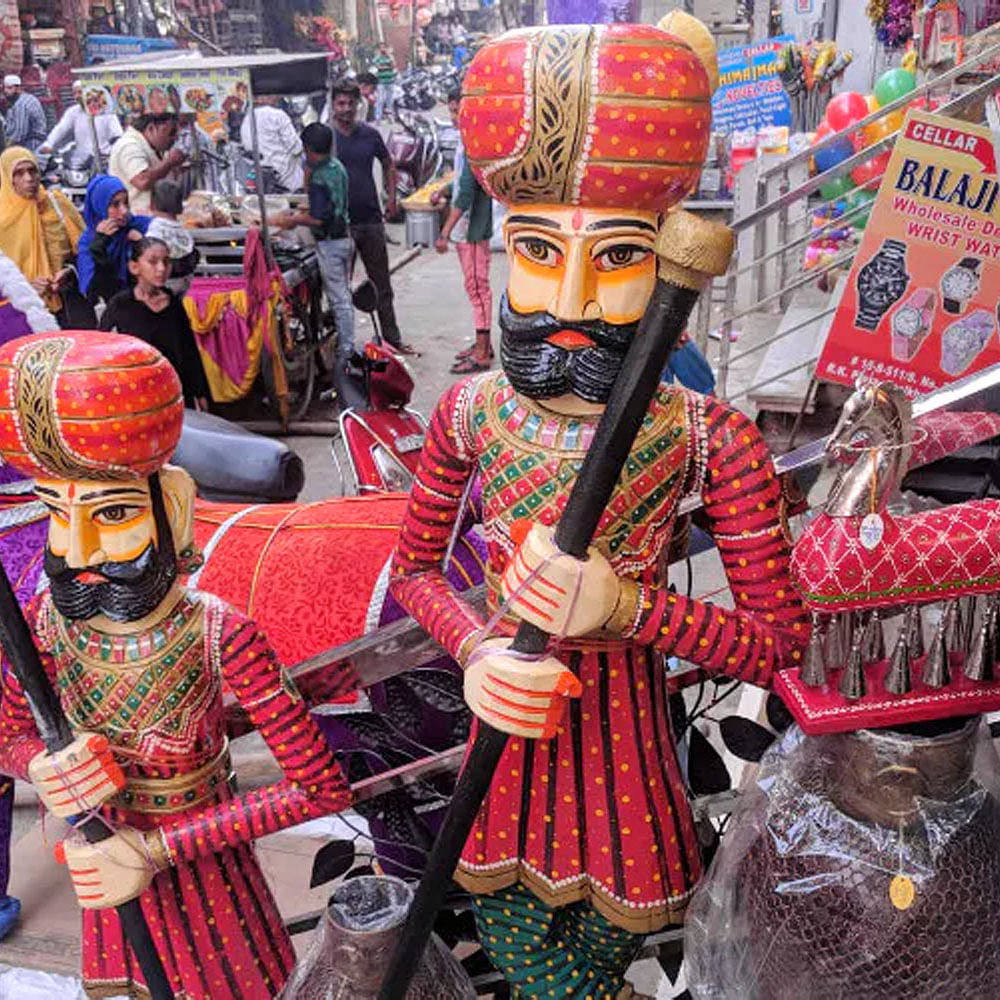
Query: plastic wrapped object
(355, 940)
(863, 864)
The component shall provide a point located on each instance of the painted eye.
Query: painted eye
(539, 251)
(58, 515)
(118, 513)
(621, 255)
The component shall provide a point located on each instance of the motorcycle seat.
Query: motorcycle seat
(230, 464)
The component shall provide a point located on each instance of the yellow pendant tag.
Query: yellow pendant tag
(902, 892)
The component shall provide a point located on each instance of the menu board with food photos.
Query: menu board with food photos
(189, 91)
(921, 306)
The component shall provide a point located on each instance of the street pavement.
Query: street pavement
(435, 317)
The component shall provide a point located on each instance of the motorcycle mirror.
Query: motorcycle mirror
(365, 297)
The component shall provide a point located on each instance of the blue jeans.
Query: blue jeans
(335, 269)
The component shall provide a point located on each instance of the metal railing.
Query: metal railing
(774, 209)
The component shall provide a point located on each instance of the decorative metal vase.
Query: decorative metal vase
(881, 876)
(355, 940)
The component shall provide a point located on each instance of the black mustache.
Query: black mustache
(132, 590)
(537, 326)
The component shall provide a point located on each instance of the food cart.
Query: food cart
(211, 89)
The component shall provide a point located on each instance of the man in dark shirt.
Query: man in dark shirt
(358, 146)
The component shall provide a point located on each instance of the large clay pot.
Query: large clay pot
(355, 941)
(876, 872)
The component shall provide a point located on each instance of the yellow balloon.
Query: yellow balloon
(872, 101)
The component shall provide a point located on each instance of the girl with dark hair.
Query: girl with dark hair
(151, 312)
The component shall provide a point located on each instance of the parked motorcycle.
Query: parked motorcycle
(448, 139)
(379, 434)
(57, 172)
(413, 146)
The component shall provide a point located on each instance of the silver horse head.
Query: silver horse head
(875, 430)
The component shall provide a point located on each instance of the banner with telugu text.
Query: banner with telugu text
(920, 307)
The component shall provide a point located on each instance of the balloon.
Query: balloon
(822, 131)
(837, 188)
(860, 197)
(826, 159)
(886, 125)
(893, 84)
(845, 109)
(869, 175)
(872, 101)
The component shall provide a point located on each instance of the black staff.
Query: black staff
(689, 250)
(54, 729)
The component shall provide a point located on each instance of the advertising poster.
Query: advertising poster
(921, 303)
(188, 91)
(750, 94)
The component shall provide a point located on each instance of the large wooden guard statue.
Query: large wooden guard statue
(140, 664)
(590, 135)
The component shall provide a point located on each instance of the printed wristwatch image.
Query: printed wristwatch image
(964, 340)
(881, 284)
(911, 323)
(959, 284)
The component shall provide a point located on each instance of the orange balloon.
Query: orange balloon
(881, 128)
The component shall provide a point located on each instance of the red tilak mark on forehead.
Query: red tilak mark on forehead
(72, 491)
(577, 219)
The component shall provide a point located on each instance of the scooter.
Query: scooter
(414, 149)
(380, 435)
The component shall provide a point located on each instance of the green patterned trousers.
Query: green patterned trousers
(568, 952)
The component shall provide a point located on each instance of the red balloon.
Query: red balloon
(846, 109)
(822, 131)
(869, 174)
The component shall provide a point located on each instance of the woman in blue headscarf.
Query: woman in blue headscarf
(106, 244)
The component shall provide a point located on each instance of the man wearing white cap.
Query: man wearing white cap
(74, 126)
(25, 119)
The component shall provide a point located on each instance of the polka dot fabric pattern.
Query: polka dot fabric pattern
(87, 405)
(586, 115)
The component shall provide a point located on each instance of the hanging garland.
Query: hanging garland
(893, 21)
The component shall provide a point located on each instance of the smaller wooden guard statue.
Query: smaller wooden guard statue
(140, 663)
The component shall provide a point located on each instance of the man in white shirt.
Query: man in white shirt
(74, 126)
(142, 156)
(279, 143)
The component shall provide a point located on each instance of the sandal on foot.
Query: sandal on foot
(405, 349)
(469, 365)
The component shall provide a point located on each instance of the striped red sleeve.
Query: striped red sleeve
(417, 581)
(313, 784)
(19, 739)
(768, 627)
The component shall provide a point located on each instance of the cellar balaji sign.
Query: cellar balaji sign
(922, 304)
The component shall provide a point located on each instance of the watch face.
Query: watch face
(959, 283)
(881, 282)
(907, 321)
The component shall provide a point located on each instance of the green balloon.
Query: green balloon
(894, 84)
(837, 188)
(861, 197)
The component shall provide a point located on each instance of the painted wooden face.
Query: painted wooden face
(580, 263)
(91, 522)
(109, 551)
(580, 279)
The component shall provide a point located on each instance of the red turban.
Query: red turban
(87, 405)
(592, 115)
